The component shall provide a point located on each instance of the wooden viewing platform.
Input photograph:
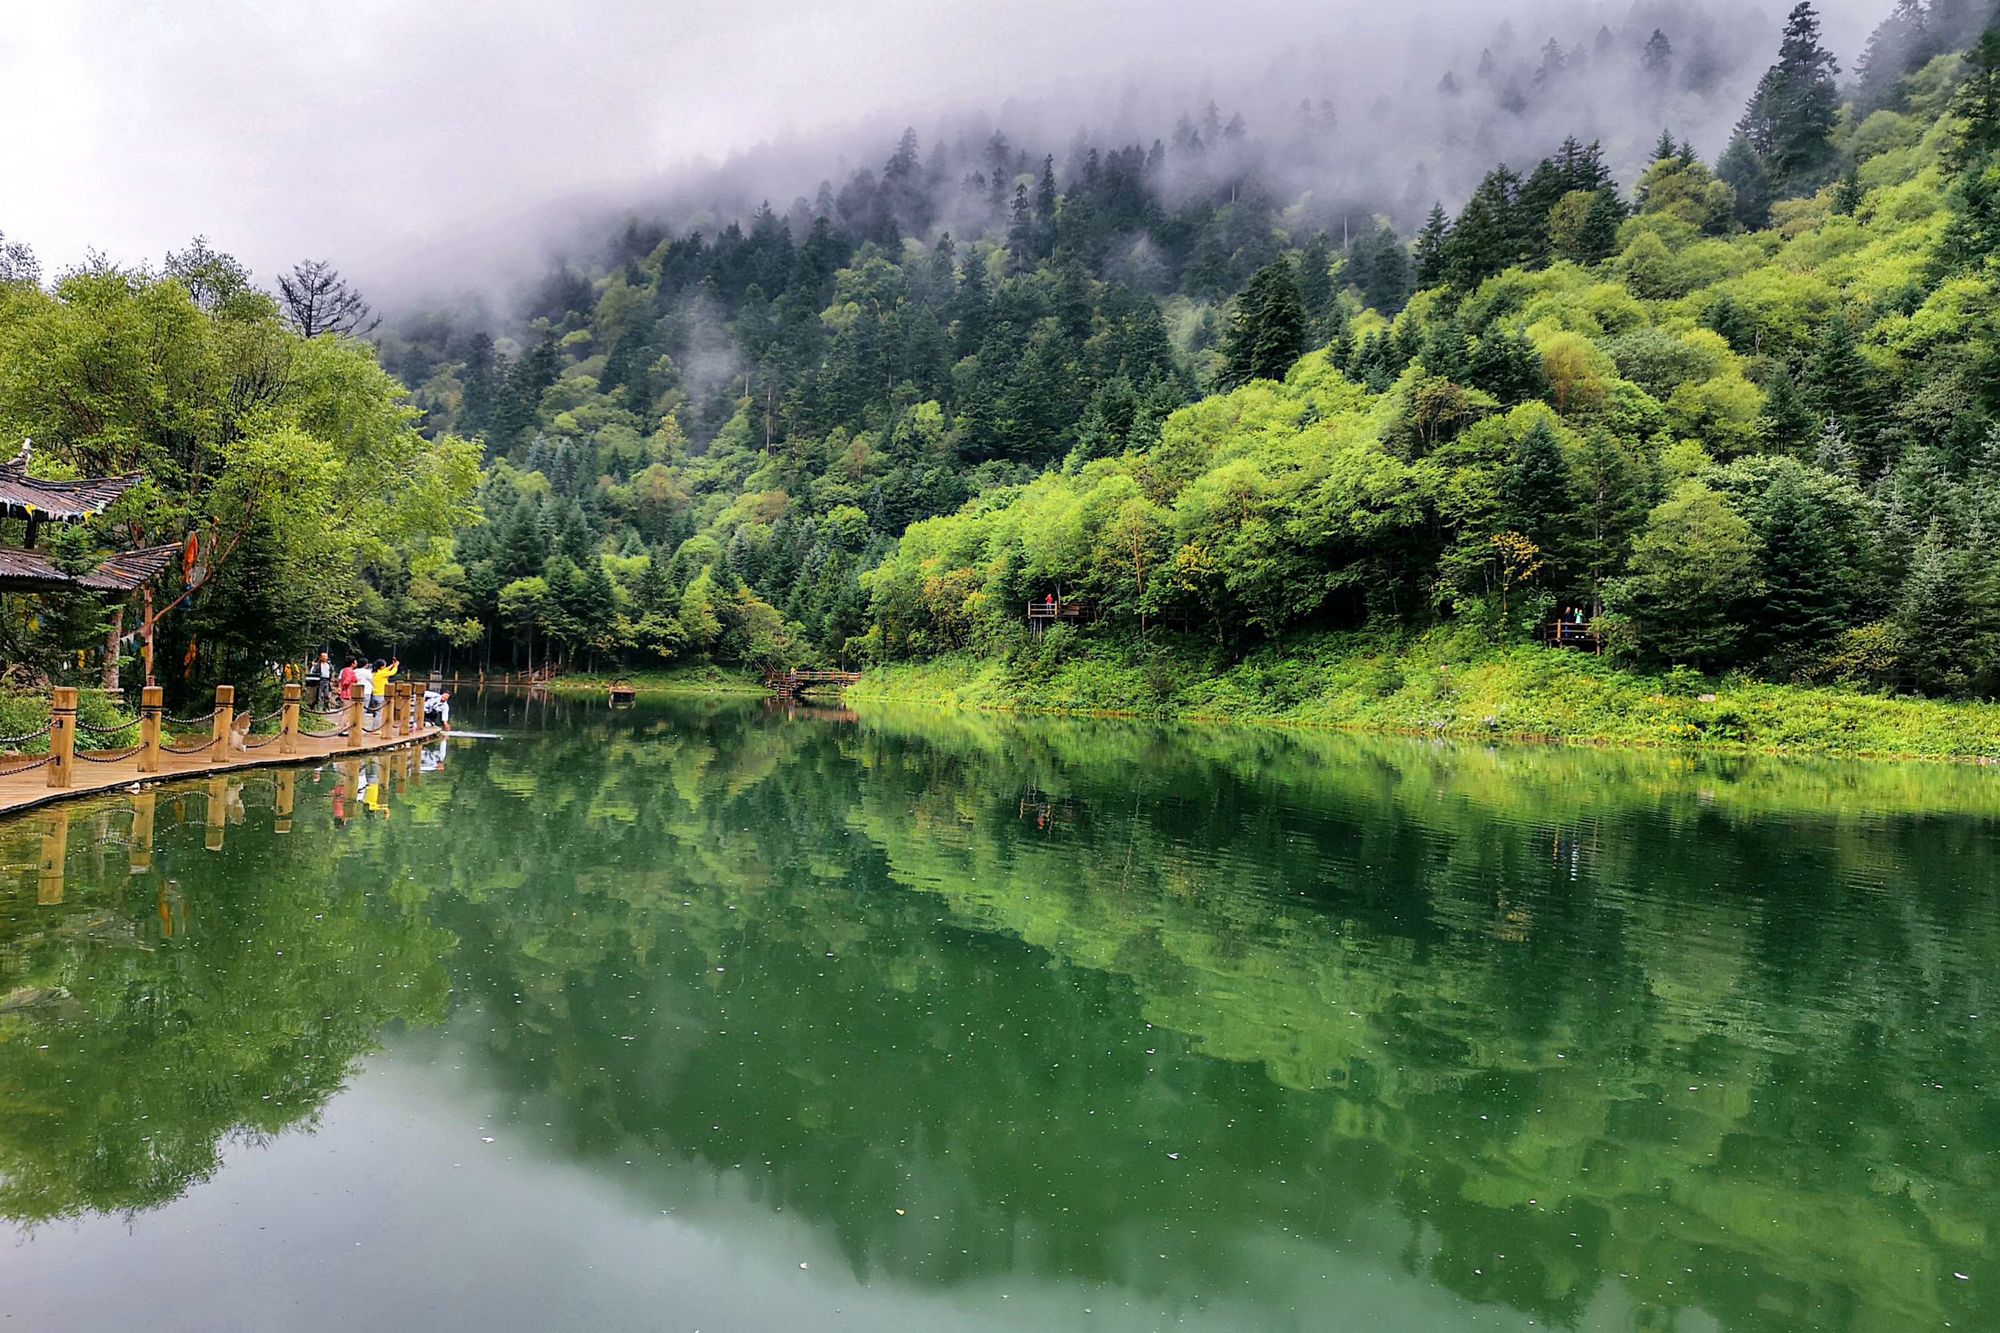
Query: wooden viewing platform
(1051, 611)
(28, 780)
(791, 683)
(1570, 634)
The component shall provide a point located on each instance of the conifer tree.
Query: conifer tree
(1658, 57)
(1430, 255)
(1267, 333)
(1316, 290)
(1783, 145)
(1800, 572)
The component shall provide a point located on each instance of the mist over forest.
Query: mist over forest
(1352, 118)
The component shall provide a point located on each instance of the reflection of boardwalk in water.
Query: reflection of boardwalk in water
(39, 847)
(1049, 812)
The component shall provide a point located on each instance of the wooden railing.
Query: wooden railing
(223, 736)
(793, 682)
(1570, 634)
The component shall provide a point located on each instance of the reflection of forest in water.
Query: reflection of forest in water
(1110, 1001)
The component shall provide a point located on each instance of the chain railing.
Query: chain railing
(108, 756)
(12, 742)
(28, 764)
(219, 734)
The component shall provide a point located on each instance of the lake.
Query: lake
(722, 1016)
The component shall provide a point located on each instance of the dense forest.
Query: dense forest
(1736, 413)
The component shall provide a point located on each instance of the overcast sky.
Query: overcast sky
(372, 131)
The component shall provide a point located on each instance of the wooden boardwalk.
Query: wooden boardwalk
(394, 726)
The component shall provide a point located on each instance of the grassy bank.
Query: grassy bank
(1440, 686)
(678, 680)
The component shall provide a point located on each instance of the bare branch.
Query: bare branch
(318, 300)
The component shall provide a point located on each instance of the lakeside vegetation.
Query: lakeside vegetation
(1437, 686)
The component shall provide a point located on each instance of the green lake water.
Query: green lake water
(710, 1016)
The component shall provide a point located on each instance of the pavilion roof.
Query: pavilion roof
(34, 571)
(22, 496)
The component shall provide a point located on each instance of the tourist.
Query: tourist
(364, 685)
(383, 675)
(320, 674)
(350, 675)
(437, 708)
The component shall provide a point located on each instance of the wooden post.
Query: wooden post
(55, 854)
(62, 737)
(288, 726)
(150, 702)
(412, 709)
(218, 810)
(143, 807)
(225, 718)
(402, 708)
(287, 797)
(355, 716)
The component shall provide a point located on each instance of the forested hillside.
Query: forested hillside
(1207, 387)
(1737, 415)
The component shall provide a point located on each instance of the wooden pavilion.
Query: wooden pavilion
(24, 569)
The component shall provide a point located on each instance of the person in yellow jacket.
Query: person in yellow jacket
(383, 675)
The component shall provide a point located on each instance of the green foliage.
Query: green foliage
(296, 461)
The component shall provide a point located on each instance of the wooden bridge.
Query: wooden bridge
(217, 741)
(790, 684)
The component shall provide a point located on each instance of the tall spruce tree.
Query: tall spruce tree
(1783, 146)
(1430, 253)
(1268, 330)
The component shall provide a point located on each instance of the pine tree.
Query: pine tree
(1658, 56)
(1021, 232)
(1743, 168)
(1802, 580)
(1788, 424)
(1599, 238)
(1933, 617)
(1316, 290)
(1267, 333)
(1507, 366)
(1847, 197)
(1488, 235)
(1788, 127)
(1384, 270)
(524, 549)
(1665, 148)
(1839, 383)
(1897, 47)
(1977, 103)
(1538, 495)
(1431, 243)
(1045, 209)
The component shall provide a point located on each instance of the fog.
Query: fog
(425, 146)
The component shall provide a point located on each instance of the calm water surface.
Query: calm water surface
(711, 1017)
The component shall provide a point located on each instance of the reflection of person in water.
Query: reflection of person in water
(431, 758)
(340, 802)
(371, 794)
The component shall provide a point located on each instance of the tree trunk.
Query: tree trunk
(109, 678)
